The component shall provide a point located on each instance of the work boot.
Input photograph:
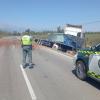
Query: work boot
(24, 66)
(31, 66)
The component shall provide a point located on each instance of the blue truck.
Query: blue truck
(65, 41)
(71, 39)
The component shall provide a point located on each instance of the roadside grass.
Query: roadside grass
(92, 39)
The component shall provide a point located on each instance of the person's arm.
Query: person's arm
(31, 38)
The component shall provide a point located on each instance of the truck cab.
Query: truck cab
(87, 63)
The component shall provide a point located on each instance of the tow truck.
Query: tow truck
(87, 63)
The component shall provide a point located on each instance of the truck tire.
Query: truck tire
(80, 70)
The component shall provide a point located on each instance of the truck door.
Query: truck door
(94, 62)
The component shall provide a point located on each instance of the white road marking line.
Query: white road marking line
(31, 91)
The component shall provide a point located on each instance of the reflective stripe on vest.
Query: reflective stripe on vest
(26, 40)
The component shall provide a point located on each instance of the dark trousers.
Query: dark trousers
(27, 55)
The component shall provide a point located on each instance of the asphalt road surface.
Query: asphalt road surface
(52, 77)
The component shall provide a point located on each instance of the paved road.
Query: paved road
(52, 77)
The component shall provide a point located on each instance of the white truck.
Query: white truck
(76, 32)
(71, 39)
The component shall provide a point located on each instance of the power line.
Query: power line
(91, 22)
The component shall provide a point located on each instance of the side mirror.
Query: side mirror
(93, 48)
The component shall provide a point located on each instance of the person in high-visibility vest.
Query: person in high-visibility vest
(26, 42)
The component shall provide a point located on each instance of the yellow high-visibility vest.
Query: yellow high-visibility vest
(26, 40)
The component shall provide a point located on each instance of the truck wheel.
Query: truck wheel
(81, 70)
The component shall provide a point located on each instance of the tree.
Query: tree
(28, 30)
(59, 29)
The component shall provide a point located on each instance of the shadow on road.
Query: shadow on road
(90, 81)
